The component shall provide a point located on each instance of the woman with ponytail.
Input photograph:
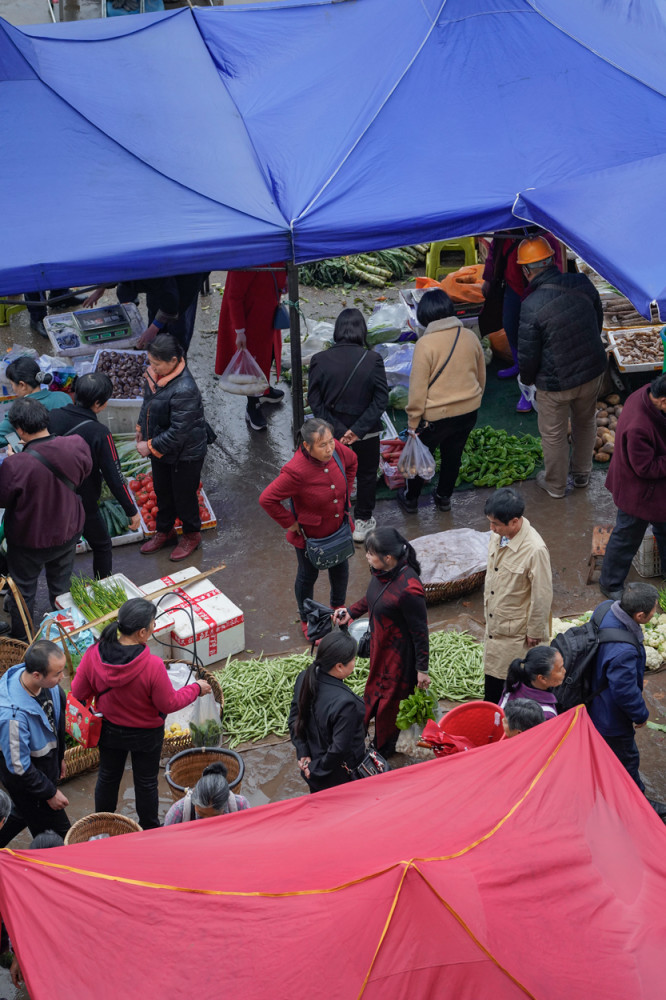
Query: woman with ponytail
(533, 677)
(29, 381)
(399, 648)
(326, 717)
(133, 692)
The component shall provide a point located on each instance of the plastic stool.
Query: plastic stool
(450, 255)
(7, 311)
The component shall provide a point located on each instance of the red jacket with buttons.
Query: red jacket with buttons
(318, 490)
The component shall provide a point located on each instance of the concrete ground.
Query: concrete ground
(260, 566)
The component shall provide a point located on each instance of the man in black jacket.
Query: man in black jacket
(91, 396)
(560, 351)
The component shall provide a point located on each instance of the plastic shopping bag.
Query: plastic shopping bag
(243, 376)
(205, 726)
(416, 460)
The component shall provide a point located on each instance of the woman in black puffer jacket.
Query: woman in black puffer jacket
(172, 431)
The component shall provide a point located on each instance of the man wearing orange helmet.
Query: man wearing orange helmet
(560, 351)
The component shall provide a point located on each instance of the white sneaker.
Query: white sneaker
(363, 528)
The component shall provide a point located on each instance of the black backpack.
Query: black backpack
(579, 646)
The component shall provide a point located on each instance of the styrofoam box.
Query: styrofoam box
(219, 626)
(63, 325)
(120, 415)
(128, 538)
(160, 643)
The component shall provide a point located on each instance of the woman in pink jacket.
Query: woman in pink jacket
(317, 483)
(133, 692)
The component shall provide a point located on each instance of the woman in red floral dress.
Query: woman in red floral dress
(399, 645)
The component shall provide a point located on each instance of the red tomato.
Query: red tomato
(151, 495)
(150, 525)
(154, 509)
(134, 485)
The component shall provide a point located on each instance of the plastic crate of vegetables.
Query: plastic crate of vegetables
(143, 490)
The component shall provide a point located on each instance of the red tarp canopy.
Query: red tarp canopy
(530, 868)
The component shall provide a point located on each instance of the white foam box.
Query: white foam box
(160, 642)
(121, 414)
(219, 626)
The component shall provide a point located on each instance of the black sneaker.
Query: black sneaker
(272, 395)
(442, 503)
(254, 416)
(409, 506)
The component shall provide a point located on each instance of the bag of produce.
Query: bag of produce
(399, 397)
(205, 725)
(243, 376)
(416, 460)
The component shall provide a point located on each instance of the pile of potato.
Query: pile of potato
(608, 410)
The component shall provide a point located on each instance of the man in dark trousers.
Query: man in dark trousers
(637, 481)
(43, 512)
(619, 708)
(560, 351)
(92, 393)
(32, 741)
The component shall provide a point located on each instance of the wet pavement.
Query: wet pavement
(260, 566)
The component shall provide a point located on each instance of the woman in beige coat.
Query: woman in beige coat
(445, 388)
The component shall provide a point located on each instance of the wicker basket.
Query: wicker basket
(91, 826)
(12, 651)
(184, 770)
(435, 592)
(80, 759)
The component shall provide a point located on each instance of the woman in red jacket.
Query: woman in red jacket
(246, 320)
(132, 690)
(318, 491)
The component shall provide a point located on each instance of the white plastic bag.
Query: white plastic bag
(416, 460)
(205, 725)
(243, 376)
(397, 360)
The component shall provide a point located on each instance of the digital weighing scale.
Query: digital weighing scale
(104, 325)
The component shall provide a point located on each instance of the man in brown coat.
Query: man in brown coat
(518, 589)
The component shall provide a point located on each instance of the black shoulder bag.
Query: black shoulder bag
(364, 642)
(324, 553)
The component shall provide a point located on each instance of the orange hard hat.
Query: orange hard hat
(534, 249)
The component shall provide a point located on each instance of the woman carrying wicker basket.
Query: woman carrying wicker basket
(399, 647)
(133, 692)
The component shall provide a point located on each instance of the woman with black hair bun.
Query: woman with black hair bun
(211, 796)
(399, 645)
(534, 677)
(326, 717)
(29, 381)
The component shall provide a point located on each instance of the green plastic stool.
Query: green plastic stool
(450, 255)
(7, 311)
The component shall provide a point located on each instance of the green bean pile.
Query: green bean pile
(492, 457)
(258, 692)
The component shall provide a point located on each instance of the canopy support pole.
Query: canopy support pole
(295, 344)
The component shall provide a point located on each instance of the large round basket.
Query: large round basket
(436, 592)
(184, 770)
(91, 826)
(173, 744)
(12, 651)
(78, 760)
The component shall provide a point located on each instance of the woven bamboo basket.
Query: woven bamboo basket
(174, 744)
(78, 760)
(91, 826)
(12, 651)
(436, 592)
(184, 770)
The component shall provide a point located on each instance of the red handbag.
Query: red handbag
(82, 722)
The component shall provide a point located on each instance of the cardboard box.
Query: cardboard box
(219, 626)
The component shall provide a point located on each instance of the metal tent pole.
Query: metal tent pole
(295, 344)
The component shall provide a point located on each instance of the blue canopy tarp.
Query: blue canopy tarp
(227, 137)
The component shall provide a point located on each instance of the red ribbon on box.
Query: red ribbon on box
(188, 601)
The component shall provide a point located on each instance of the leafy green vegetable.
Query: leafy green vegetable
(206, 735)
(416, 710)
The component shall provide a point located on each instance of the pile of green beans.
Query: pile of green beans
(258, 692)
